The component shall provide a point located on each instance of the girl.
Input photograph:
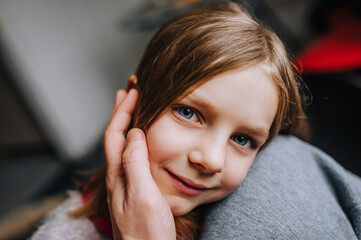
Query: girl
(211, 90)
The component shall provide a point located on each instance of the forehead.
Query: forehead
(244, 96)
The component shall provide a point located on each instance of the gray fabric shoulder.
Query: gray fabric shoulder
(292, 191)
(59, 226)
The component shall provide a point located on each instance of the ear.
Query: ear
(132, 82)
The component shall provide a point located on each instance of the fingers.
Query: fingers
(136, 196)
(123, 113)
(121, 94)
(114, 139)
(119, 97)
(135, 162)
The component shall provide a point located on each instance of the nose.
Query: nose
(209, 156)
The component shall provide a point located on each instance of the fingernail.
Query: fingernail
(132, 91)
(134, 135)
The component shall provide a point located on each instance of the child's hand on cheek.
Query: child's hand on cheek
(137, 208)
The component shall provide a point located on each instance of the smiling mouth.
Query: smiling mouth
(185, 185)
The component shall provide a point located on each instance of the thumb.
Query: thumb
(135, 161)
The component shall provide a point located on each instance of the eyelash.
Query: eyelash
(254, 145)
(177, 108)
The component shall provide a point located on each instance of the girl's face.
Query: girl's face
(201, 149)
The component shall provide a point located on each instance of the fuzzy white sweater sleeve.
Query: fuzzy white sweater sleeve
(59, 226)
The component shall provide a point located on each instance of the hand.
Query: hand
(137, 208)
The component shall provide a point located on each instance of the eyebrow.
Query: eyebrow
(199, 100)
(259, 132)
(204, 103)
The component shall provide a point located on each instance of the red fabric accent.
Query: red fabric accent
(101, 224)
(340, 50)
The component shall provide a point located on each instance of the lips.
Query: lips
(185, 185)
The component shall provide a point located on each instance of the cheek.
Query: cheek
(157, 145)
(235, 173)
(164, 141)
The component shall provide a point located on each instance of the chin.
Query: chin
(179, 206)
(179, 212)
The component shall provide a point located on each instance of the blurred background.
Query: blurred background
(62, 61)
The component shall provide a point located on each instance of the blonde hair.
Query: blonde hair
(191, 49)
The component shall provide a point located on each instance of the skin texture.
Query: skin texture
(131, 190)
(208, 139)
(198, 138)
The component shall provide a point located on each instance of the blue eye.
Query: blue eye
(242, 140)
(186, 112)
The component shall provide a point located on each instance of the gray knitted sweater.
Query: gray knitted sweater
(292, 191)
